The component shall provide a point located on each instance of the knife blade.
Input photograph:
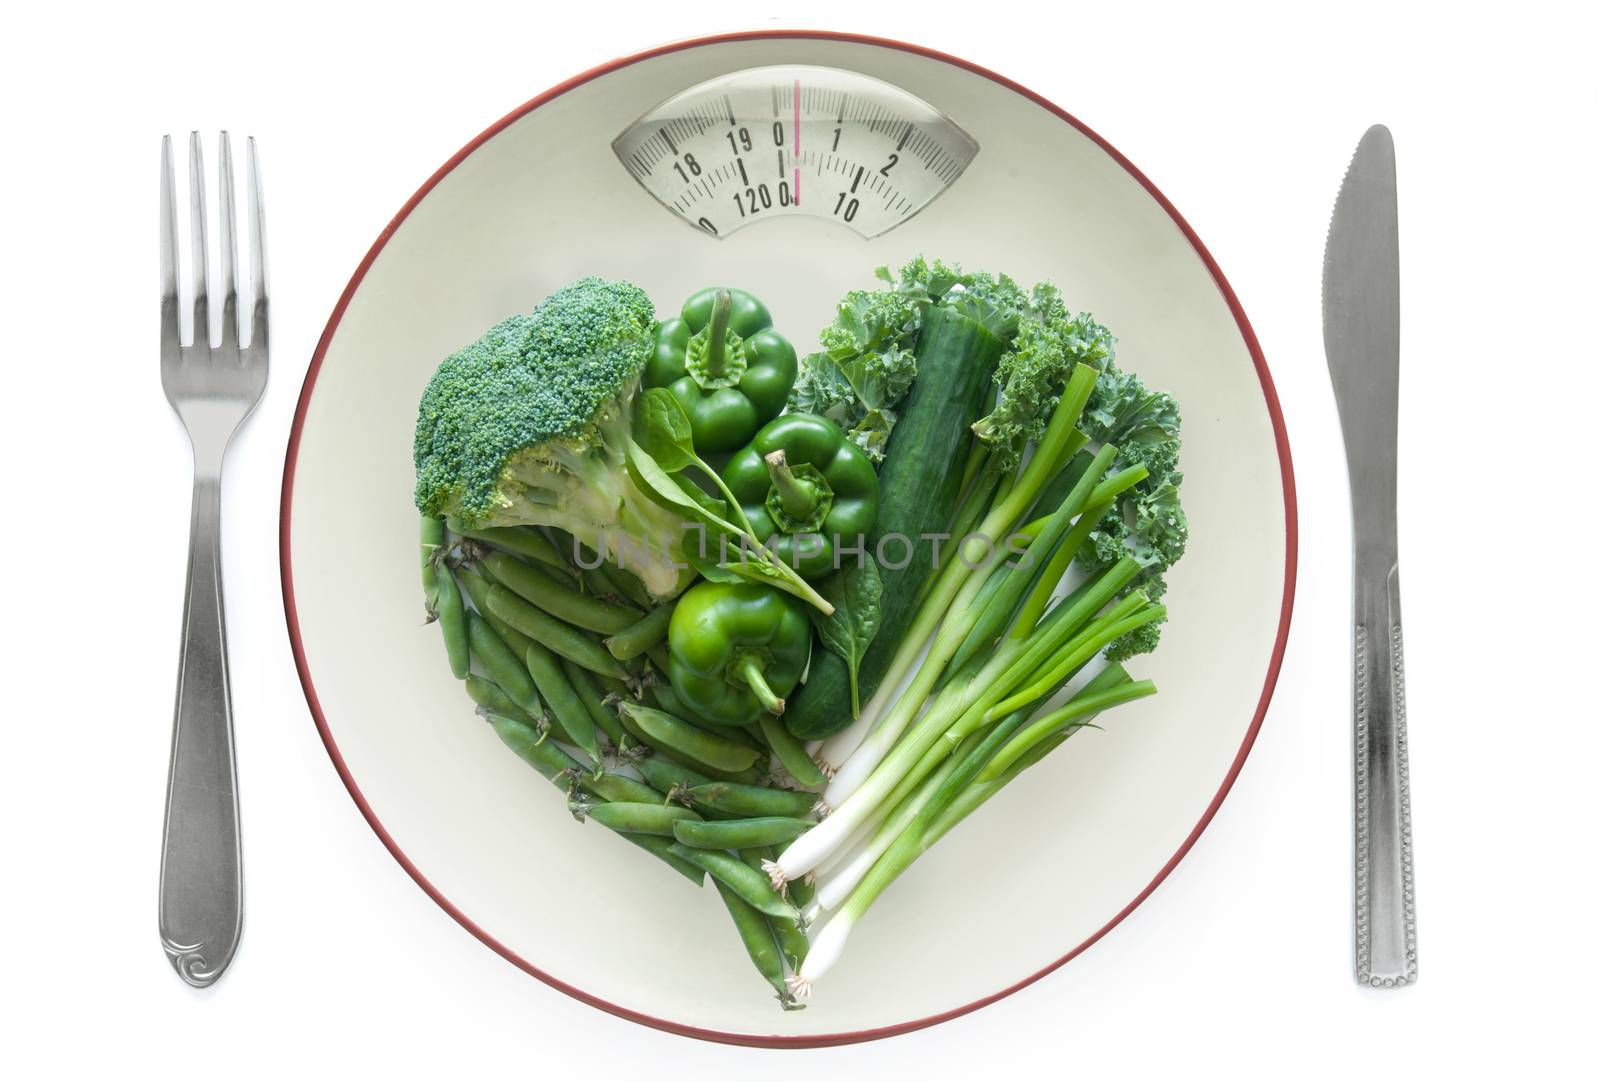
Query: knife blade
(1361, 336)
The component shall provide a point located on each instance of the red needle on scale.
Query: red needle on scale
(797, 142)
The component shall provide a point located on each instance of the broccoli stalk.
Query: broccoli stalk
(529, 425)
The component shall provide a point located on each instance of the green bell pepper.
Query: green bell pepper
(736, 649)
(725, 364)
(801, 482)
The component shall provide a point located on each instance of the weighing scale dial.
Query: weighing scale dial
(795, 140)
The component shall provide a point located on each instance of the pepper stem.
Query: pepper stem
(717, 332)
(798, 496)
(750, 672)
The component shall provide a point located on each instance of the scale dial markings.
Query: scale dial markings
(794, 140)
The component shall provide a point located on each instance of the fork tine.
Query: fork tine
(201, 274)
(258, 255)
(171, 335)
(229, 254)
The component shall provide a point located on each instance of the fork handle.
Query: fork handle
(201, 877)
(1386, 923)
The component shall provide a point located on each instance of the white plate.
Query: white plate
(1081, 839)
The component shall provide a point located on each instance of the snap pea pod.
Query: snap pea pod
(642, 635)
(452, 614)
(555, 598)
(618, 789)
(536, 749)
(502, 665)
(559, 637)
(615, 788)
(629, 584)
(604, 716)
(526, 541)
(666, 730)
(664, 776)
(668, 701)
(668, 772)
(760, 942)
(790, 753)
(626, 818)
(514, 639)
(752, 801)
(598, 583)
(432, 542)
(659, 656)
(491, 698)
(792, 942)
(664, 699)
(604, 576)
(745, 776)
(565, 705)
(661, 848)
(748, 883)
(478, 587)
(441, 598)
(737, 833)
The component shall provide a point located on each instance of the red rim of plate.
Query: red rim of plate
(1291, 545)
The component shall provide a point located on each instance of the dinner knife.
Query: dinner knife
(1361, 335)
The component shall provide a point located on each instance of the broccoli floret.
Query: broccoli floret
(527, 425)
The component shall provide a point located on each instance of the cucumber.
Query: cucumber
(918, 488)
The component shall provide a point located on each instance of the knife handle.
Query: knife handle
(1386, 923)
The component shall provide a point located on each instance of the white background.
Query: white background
(1238, 969)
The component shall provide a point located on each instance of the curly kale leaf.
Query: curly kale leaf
(1050, 342)
(822, 388)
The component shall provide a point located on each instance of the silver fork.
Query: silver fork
(212, 389)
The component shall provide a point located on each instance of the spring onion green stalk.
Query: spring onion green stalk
(829, 943)
(959, 583)
(959, 707)
(883, 735)
(843, 879)
(1102, 494)
(1069, 715)
(960, 790)
(1039, 598)
(1016, 582)
(1079, 653)
(845, 873)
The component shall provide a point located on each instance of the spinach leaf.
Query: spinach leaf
(662, 488)
(855, 593)
(662, 429)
